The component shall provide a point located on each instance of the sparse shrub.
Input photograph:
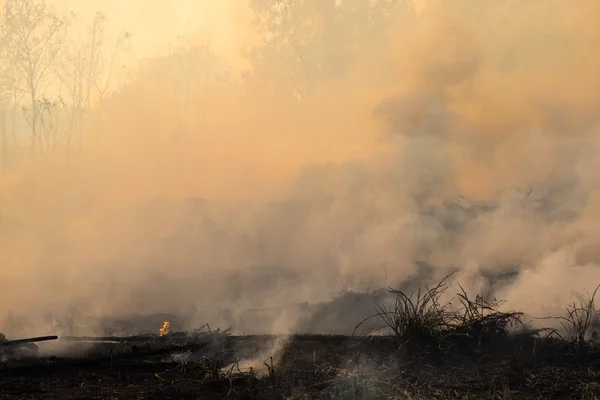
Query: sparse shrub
(579, 318)
(417, 317)
(420, 317)
(479, 317)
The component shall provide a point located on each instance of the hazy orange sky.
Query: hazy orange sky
(156, 23)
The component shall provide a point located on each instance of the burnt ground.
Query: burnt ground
(215, 366)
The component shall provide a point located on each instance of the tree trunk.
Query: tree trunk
(80, 133)
(33, 122)
(3, 136)
(4, 147)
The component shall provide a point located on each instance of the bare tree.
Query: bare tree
(85, 74)
(8, 116)
(106, 66)
(3, 103)
(35, 36)
(7, 92)
(78, 71)
(50, 111)
(3, 130)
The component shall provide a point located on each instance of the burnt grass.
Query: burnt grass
(434, 350)
(518, 366)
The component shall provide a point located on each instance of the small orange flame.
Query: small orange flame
(54, 322)
(165, 328)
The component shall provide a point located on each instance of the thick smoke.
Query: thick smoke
(467, 136)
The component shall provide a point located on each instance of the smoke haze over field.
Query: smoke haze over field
(465, 135)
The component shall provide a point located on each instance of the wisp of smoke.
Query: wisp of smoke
(467, 136)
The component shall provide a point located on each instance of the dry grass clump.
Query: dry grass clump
(421, 316)
(478, 317)
(579, 319)
(415, 317)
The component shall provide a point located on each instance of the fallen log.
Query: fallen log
(28, 340)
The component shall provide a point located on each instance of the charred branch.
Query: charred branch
(28, 340)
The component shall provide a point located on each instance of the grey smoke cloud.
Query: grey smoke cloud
(467, 138)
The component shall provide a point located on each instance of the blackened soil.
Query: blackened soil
(307, 367)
